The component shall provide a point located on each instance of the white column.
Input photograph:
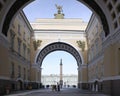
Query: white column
(96, 88)
(93, 87)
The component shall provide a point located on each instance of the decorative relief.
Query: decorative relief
(37, 44)
(81, 44)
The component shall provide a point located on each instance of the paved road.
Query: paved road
(63, 92)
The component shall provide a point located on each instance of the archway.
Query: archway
(15, 6)
(58, 46)
(97, 6)
(51, 63)
(61, 46)
(51, 69)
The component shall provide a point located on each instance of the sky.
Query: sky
(47, 9)
(51, 63)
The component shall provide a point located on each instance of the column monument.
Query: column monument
(61, 74)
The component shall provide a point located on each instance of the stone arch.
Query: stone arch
(58, 46)
(95, 6)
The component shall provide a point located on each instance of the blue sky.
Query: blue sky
(47, 9)
(51, 63)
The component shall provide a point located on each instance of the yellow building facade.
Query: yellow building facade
(17, 57)
(19, 37)
(95, 37)
(103, 62)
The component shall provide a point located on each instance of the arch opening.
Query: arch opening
(57, 66)
(51, 63)
(20, 4)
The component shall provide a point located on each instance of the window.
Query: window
(92, 52)
(19, 45)
(19, 29)
(28, 74)
(28, 53)
(110, 6)
(24, 73)
(113, 15)
(12, 70)
(118, 8)
(24, 36)
(24, 50)
(19, 71)
(115, 24)
(12, 37)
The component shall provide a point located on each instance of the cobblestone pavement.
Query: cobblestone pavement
(63, 92)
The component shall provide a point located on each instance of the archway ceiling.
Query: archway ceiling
(93, 5)
(58, 46)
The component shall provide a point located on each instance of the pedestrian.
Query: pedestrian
(58, 87)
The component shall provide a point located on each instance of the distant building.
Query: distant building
(63, 80)
(68, 80)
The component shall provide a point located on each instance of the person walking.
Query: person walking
(58, 87)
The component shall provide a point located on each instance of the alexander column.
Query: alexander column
(61, 75)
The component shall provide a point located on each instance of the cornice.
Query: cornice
(98, 58)
(15, 56)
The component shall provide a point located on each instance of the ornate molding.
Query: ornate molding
(99, 57)
(37, 44)
(16, 56)
(116, 36)
(4, 78)
(111, 78)
(58, 46)
(81, 44)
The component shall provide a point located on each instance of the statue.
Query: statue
(59, 14)
(59, 8)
